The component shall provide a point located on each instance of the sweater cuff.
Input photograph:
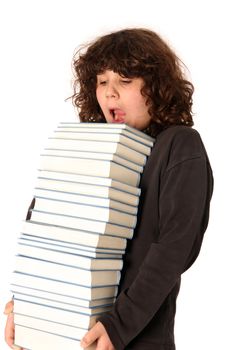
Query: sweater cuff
(112, 332)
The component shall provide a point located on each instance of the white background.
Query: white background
(38, 39)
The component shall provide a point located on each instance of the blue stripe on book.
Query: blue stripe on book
(70, 228)
(58, 335)
(62, 264)
(83, 195)
(59, 308)
(62, 281)
(28, 236)
(91, 180)
(65, 252)
(79, 217)
(126, 133)
(88, 183)
(58, 301)
(49, 321)
(84, 204)
(99, 160)
(100, 141)
(59, 294)
(111, 126)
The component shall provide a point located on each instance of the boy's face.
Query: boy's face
(121, 101)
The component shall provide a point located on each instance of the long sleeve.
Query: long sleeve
(184, 196)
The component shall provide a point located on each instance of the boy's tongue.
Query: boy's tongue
(119, 112)
(118, 115)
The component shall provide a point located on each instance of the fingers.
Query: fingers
(97, 333)
(90, 337)
(9, 307)
(9, 330)
(10, 327)
(104, 344)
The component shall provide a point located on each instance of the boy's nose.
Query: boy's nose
(111, 91)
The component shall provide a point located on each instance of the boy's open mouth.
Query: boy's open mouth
(117, 115)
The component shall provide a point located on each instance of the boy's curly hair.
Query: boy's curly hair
(135, 53)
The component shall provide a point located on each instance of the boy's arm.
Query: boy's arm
(184, 209)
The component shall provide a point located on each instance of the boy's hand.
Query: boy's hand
(98, 334)
(10, 328)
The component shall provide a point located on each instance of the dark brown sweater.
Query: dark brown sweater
(176, 186)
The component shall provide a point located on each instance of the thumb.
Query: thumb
(90, 336)
(9, 307)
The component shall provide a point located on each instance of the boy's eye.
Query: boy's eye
(102, 82)
(126, 81)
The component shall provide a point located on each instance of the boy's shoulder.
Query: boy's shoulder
(179, 143)
(180, 135)
(179, 131)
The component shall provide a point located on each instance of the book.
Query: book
(98, 146)
(66, 273)
(68, 247)
(63, 288)
(68, 221)
(67, 258)
(31, 291)
(49, 327)
(95, 156)
(31, 299)
(69, 317)
(74, 236)
(98, 135)
(86, 211)
(85, 199)
(93, 167)
(90, 180)
(88, 185)
(30, 338)
(112, 127)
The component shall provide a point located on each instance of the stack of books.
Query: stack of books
(70, 249)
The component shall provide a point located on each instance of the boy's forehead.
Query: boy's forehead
(121, 69)
(120, 73)
(126, 65)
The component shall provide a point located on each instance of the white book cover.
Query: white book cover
(30, 338)
(57, 327)
(61, 298)
(67, 258)
(60, 305)
(98, 146)
(90, 180)
(94, 156)
(50, 313)
(73, 222)
(86, 211)
(91, 191)
(63, 288)
(85, 199)
(73, 248)
(66, 273)
(105, 135)
(93, 167)
(73, 236)
(112, 127)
